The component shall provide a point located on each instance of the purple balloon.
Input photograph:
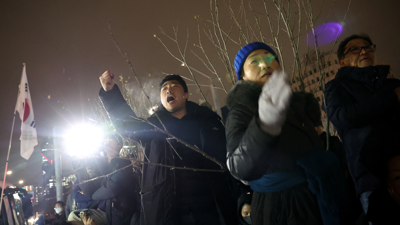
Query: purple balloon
(326, 33)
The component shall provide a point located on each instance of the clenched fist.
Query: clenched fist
(107, 80)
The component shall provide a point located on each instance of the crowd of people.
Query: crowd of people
(267, 163)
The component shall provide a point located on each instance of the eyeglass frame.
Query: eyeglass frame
(373, 50)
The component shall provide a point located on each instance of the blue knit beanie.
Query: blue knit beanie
(245, 51)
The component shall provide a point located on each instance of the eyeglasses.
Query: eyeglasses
(357, 50)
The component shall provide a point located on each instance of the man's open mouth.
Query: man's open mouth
(170, 99)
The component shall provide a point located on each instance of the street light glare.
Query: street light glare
(9, 172)
(83, 140)
(21, 182)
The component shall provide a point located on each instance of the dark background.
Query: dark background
(66, 46)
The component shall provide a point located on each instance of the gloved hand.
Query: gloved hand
(273, 102)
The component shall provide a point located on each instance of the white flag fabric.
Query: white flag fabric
(28, 127)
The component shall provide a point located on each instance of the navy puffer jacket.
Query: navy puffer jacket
(358, 101)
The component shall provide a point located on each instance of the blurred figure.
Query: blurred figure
(41, 218)
(272, 143)
(71, 205)
(352, 208)
(335, 146)
(60, 217)
(119, 189)
(359, 99)
(244, 208)
(385, 200)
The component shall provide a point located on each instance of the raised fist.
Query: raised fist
(107, 80)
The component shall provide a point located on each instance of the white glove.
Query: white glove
(273, 102)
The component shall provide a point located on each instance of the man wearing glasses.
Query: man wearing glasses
(361, 100)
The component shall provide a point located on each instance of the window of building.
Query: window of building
(332, 72)
(327, 74)
(317, 78)
(320, 88)
(310, 72)
(318, 99)
(313, 81)
(308, 82)
(315, 70)
(329, 63)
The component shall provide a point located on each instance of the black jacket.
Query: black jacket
(359, 100)
(383, 209)
(253, 153)
(119, 192)
(159, 184)
(59, 219)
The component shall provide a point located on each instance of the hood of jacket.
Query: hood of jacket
(243, 199)
(247, 93)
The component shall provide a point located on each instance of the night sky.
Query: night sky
(66, 46)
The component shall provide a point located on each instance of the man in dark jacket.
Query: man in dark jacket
(178, 196)
(59, 208)
(360, 98)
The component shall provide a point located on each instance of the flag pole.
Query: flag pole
(8, 154)
(8, 157)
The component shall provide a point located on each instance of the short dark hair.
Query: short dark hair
(177, 78)
(342, 45)
(61, 203)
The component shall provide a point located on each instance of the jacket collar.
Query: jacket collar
(369, 76)
(192, 109)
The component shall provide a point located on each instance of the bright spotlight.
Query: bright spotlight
(21, 182)
(83, 140)
(9, 172)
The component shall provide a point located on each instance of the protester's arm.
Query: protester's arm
(122, 116)
(249, 147)
(343, 112)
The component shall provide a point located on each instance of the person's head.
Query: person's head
(59, 207)
(255, 62)
(393, 178)
(174, 94)
(244, 208)
(319, 129)
(356, 51)
(112, 147)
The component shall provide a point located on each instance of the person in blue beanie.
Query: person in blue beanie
(272, 144)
